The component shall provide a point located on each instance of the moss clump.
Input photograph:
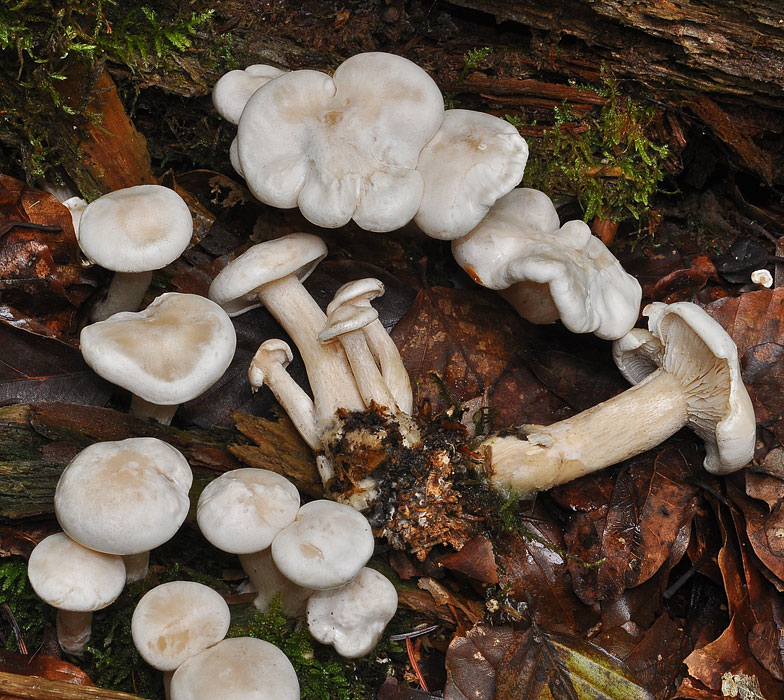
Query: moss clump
(45, 42)
(605, 158)
(322, 673)
(19, 599)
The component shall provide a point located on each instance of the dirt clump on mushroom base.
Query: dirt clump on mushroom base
(416, 505)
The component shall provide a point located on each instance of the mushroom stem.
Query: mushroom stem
(371, 383)
(625, 425)
(290, 395)
(392, 368)
(73, 630)
(329, 374)
(136, 566)
(145, 409)
(267, 581)
(125, 293)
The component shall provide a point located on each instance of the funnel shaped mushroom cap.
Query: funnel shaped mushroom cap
(550, 272)
(325, 547)
(233, 90)
(473, 160)
(342, 147)
(124, 497)
(345, 319)
(177, 620)
(244, 509)
(235, 287)
(242, 668)
(72, 577)
(352, 618)
(171, 352)
(685, 341)
(357, 292)
(136, 229)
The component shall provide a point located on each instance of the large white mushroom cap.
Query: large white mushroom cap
(171, 352)
(325, 547)
(549, 273)
(472, 161)
(233, 90)
(177, 620)
(244, 509)
(69, 576)
(685, 341)
(135, 229)
(242, 668)
(342, 147)
(352, 618)
(124, 497)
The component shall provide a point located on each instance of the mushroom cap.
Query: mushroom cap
(356, 292)
(325, 547)
(473, 160)
(567, 270)
(235, 287)
(242, 668)
(342, 147)
(169, 353)
(352, 618)
(233, 90)
(177, 620)
(69, 576)
(345, 319)
(135, 229)
(124, 497)
(272, 351)
(686, 342)
(242, 510)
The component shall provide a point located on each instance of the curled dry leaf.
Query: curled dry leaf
(640, 520)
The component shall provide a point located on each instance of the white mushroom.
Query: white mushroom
(124, 497)
(360, 293)
(549, 273)
(688, 374)
(242, 511)
(132, 232)
(268, 366)
(346, 323)
(325, 547)
(77, 581)
(473, 160)
(233, 90)
(175, 621)
(271, 274)
(242, 668)
(268, 582)
(352, 618)
(342, 147)
(171, 352)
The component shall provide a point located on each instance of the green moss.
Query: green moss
(22, 603)
(322, 673)
(42, 42)
(605, 158)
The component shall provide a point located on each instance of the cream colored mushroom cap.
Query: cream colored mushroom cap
(472, 161)
(169, 353)
(235, 287)
(550, 273)
(345, 319)
(686, 342)
(242, 668)
(135, 229)
(177, 620)
(233, 90)
(69, 576)
(352, 618)
(124, 497)
(342, 147)
(325, 547)
(356, 292)
(244, 509)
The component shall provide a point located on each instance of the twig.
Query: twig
(43, 689)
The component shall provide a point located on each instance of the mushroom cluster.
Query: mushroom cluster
(373, 144)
